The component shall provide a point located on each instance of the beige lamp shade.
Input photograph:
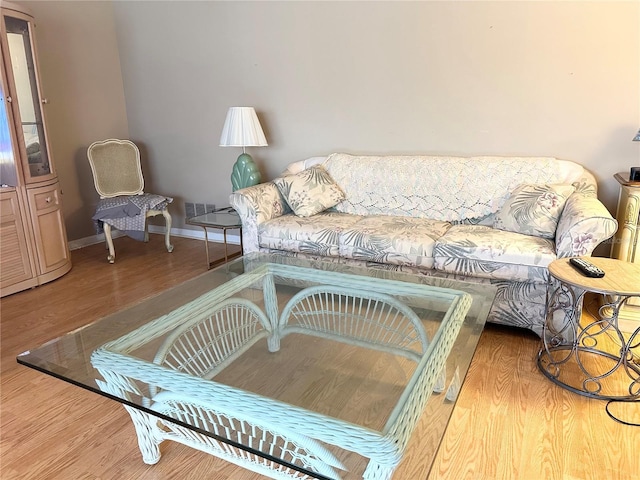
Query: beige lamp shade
(242, 129)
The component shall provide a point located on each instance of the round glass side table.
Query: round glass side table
(592, 356)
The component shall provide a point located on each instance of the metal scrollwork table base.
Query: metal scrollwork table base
(593, 358)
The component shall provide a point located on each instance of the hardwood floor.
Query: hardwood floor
(509, 422)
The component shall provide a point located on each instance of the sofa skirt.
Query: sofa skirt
(517, 304)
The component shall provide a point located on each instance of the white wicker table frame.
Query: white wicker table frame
(207, 334)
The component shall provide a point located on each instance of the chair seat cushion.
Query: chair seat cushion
(318, 234)
(393, 239)
(482, 251)
(128, 213)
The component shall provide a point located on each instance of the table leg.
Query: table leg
(224, 238)
(596, 359)
(227, 256)
(206, 246)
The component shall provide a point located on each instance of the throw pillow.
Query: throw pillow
(310, 191)
(534, 209)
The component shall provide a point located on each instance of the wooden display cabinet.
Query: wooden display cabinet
(33, 240)
(626, 241)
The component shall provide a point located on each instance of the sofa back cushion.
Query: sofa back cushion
(310, 191)
(534, 209)
(450, 189)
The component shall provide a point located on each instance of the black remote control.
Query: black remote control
(587, 268)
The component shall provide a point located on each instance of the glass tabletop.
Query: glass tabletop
(223, 218)
(283, 364)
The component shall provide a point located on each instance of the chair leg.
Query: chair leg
(107, 235)
(167, 234)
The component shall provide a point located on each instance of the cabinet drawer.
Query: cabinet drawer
(48, 197)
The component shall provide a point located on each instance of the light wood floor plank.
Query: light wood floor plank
(509, 422)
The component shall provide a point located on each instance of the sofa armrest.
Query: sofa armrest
(256, 205)
(584, 224)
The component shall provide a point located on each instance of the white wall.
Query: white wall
(505, 77)
(527, 78)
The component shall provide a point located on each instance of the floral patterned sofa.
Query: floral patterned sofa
(498, 220)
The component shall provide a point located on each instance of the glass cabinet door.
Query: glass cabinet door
(8, 167)
(27, 111)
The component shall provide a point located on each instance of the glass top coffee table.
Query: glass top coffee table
(291, 368)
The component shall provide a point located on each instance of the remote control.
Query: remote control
(587, 268)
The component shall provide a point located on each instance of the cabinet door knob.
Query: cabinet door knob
(48, 199)
(9, 99)
(45, 100)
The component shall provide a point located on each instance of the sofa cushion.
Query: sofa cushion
(393, 240)
(310, 191)
(482, 251)
(317, 235)
(534, 209)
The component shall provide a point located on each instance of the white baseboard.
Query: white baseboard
(92, 240)
(216, 237)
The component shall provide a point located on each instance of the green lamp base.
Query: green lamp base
(245, 172)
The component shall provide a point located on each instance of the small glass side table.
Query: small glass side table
(595, 358)
(223, 219)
